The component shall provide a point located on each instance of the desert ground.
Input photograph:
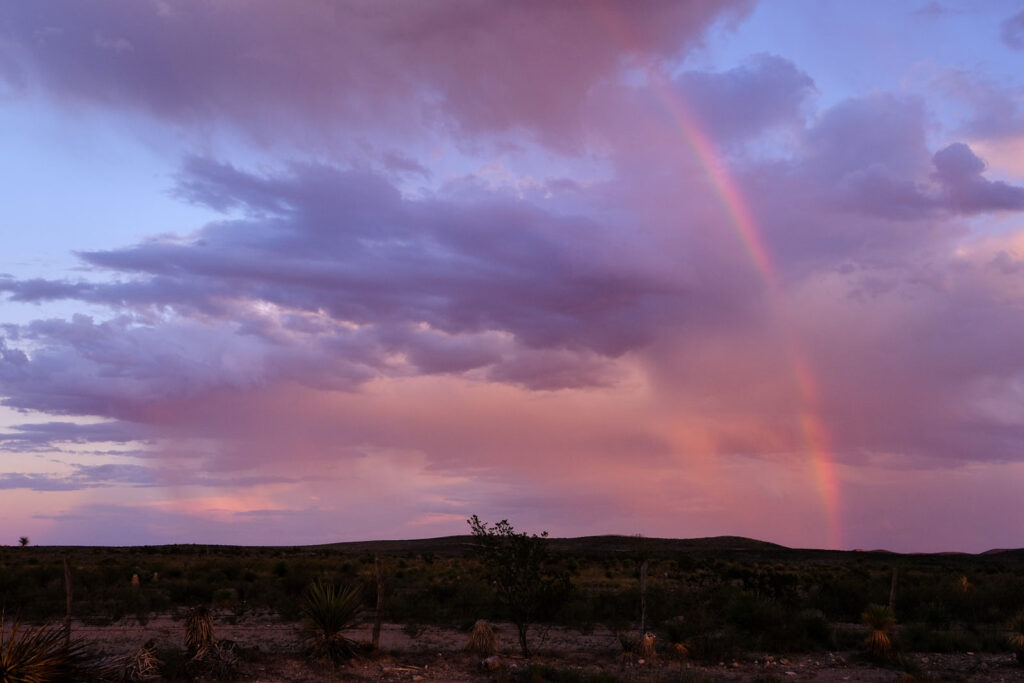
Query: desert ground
(741, 609)
(270, 651)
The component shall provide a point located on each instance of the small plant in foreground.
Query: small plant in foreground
(1016, 637)
(880, 622)
(329, 610)
(38, 655)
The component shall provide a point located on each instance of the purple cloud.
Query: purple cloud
(357, 273)
(959, 171)
(869, 155)
(50, 435)
(114, 475)
(1012, 31)
(339, 64)
(767, 91)
(882, 131)
(994, 109)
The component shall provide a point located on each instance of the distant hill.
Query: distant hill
(594, 546)
(1014, 553)
(736, 547)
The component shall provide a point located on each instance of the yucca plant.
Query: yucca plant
(38, 655)
(198, 632)
(328, 610)
(1016, 637)
(880, 622)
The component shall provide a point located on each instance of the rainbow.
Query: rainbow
(811, 426)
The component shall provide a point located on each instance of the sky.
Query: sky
(294, 273)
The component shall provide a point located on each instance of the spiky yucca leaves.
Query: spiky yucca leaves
(329, 610)
(38, 655)
(880, 622)
(198, 632)
(1016, 637)
(482, 640)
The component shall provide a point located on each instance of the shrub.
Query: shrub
(528, 582)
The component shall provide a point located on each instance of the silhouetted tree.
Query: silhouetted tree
(528, 582)
(23, 541)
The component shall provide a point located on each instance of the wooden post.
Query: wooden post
(67, 595)
(643, 599)
(378, 615)
(892, 592)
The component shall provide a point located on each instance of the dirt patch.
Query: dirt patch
(271, 651)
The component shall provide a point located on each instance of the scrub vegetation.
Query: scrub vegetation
(707, 600)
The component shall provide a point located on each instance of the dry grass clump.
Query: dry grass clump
(137, 667)
(141, 665)
(482, 640)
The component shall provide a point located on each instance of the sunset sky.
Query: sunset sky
(289, 273)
